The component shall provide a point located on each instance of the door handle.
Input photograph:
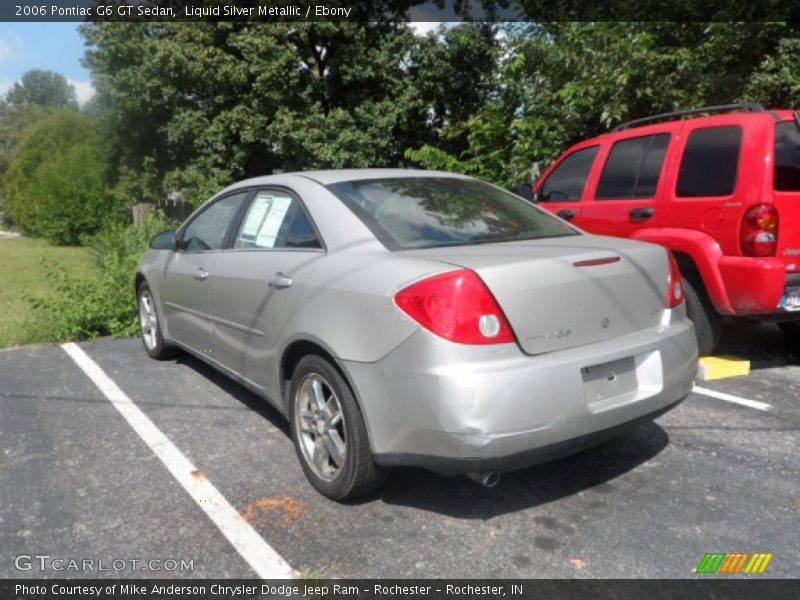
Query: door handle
(566, 214)
(201, 274)
(279, 281)
(641, 214)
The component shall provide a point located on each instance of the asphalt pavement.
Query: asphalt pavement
(78, 483)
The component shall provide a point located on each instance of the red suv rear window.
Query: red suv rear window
(787, 157)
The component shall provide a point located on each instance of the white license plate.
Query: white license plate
(790, 301)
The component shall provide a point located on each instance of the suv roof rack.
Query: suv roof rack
(748, 107)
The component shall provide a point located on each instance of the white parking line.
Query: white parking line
(731, 398)
(264, 560)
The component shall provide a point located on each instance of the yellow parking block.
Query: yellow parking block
(720, 367)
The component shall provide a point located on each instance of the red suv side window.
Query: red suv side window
(787, 157)
(710, 162)
(566, 182)
(633, 168)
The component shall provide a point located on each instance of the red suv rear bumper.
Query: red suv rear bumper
(751, 285)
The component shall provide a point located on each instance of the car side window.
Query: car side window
(276, 220)
(566, 182)
(208, 230)
(633, 168)
(787, 157)
(710, 162)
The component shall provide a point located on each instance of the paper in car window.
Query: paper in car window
(265, 238)
(255, 217)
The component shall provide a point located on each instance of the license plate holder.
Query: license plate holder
(611, 379)
(790, 300)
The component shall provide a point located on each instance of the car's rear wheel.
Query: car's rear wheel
(150, 327)
(791, 329)
(707, 321)
(329, 433)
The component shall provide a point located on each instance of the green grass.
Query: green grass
(22, 276)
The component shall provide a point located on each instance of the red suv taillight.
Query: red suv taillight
(759, 232)
(458, 307)
(675, 291)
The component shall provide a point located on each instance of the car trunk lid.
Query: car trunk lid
(561, 293)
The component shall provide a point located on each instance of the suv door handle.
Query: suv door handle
(201, 274)
(279, 281)
(641, 214)
(566, 214)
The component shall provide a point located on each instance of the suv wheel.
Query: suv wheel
(329, 433)
(707, 321)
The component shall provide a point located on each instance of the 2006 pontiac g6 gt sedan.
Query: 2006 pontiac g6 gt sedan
(400, 317)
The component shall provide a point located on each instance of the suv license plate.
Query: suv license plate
(790, 300)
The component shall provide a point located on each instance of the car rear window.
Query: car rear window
(787, 157)
(430, 212)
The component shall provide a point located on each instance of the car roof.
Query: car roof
(328, 177)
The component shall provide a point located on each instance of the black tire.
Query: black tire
(790, 329)
(154, 345)
(358, 473)
(707, 321)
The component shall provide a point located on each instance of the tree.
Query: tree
(55, 182)
(42, 88)
(196, 107)
(564, 82)
(30, 99)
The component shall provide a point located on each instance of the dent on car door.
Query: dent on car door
(563, 189)
(183, 289)
(258, 282)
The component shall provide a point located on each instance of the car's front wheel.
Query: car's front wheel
(329, 432)
(150, 327)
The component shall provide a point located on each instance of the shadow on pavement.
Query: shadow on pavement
(763, 344)
(242, 394)
(593, 469)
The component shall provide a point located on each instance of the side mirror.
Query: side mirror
(165, 240)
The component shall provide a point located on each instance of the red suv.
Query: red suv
(722, 191)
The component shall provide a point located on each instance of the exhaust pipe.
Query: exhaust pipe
(487, 479)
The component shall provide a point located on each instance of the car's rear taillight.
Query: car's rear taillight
(675, 291)
(759, 231)
(458, 307)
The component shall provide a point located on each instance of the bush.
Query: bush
(54, 185)
(85, 308)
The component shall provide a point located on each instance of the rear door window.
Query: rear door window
(275, 219)
(566, 182)
(633, 168)
(710, 163)
(787, 157)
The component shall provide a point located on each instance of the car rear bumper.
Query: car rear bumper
(456, 408)
(756, 286)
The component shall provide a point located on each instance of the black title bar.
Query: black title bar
(396, 10)
(732, 588)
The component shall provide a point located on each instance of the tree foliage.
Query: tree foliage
(42, 88)
(194, 108)
(563, 82)
(55, 184)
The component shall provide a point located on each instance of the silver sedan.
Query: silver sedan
(400, 317)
